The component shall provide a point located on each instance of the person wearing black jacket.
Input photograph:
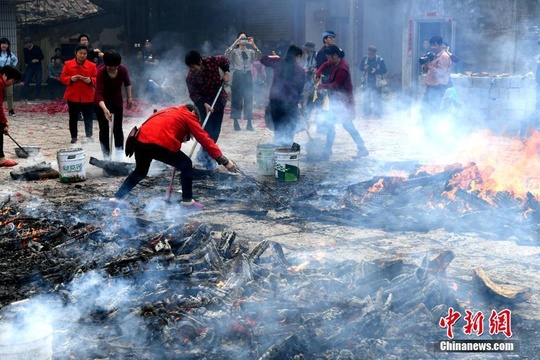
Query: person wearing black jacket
(329, 38)
(373, 68)
(94, 55)
(33, 56)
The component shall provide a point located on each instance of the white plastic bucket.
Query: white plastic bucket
(265, 159)
(71, 165)
(287, 166)
(28, 343)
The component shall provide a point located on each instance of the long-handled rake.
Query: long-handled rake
(273, 193)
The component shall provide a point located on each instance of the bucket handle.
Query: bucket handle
(261, 138)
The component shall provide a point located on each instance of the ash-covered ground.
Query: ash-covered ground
(255, 211)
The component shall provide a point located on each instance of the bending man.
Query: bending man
(160, 138)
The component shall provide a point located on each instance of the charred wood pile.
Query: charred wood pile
(40, 171)
(196, 291)
(453, 199)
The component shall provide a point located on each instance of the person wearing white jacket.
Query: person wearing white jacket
(8, 58)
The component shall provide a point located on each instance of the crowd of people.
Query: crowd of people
(303, 82)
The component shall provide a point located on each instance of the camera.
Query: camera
(427, 58)
(244, 41)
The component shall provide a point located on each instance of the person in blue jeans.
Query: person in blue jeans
(33, 56)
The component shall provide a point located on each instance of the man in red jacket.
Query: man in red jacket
(160, 138)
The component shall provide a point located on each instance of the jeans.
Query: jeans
(326, 124)
(372, 96)
(32, 71)
(431, 104)
(213, 128)
(242, 95)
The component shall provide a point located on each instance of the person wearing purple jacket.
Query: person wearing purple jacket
(108, 100)
(286, 93)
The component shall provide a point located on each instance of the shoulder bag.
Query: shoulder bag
(131, 141)
(381, 81)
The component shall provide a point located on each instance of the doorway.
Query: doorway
(425, 29)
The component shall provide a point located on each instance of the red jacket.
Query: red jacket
(79, 91)
(340, 84)
(169, 127)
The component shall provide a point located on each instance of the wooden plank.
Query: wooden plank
(500, 292)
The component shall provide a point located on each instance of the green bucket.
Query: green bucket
(287, 162)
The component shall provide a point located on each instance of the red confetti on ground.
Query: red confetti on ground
(138, 108)
(49, 107)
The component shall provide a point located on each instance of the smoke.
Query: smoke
(75, 311)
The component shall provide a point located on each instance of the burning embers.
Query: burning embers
(460, 198)
(18, 231)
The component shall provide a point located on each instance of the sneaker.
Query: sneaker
(11, 112)
(89, 139)
(192, 205)
(361, 153)
(73, 140)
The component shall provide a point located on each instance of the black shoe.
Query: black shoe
(236, 125)
(361, 153)
(11, 112)
(249, 127)
(73, 140)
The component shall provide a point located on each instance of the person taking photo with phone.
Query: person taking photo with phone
(241, 58)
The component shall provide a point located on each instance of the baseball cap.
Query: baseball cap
(329, 33)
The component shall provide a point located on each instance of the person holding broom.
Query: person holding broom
(108, 100)
(204, 83)
(160, 138)
(8, 76)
